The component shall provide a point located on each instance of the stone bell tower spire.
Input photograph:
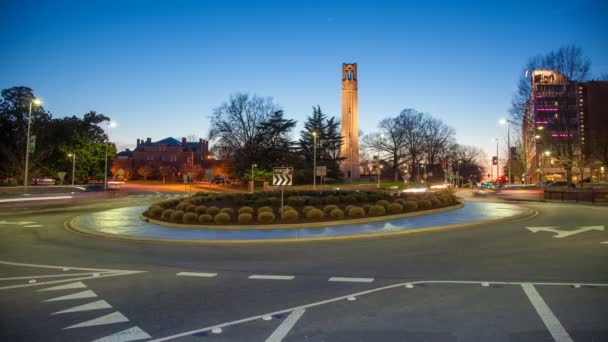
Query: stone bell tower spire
(350, 123)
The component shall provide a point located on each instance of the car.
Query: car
(557, 184)
(44, 181)
(221, 180)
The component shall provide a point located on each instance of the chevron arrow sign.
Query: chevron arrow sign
(282, 176)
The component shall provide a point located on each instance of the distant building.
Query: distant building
(593, 113)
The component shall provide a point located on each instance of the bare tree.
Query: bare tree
(145, 171)
(412, 123)
(389, 142)
(437, 137)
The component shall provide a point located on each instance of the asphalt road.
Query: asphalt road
(499, 282)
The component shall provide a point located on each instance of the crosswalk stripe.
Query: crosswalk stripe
(98, 305)
(115, 317)
(78, 295)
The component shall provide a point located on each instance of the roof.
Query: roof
(170, 141)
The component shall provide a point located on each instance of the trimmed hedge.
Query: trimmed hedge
(395, 208)
(155, 211)
(424, 204)
(265, 210)
(222, 218)
(410, 206)
(336, 214)
(266, 217)
(307, 208)
(331, 199)
(246, 210)
(356, 212)
(190, 218)
(228, 211)
(177, 216)
(383, 203)
(190, 208)
(201, 209)
(329, 208)
(167, 214)
(245, 218)
(315, 214)
(205, 218)
(377, 210)
(213, 211)
(290, 215)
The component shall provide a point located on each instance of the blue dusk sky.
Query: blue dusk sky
(159, 68)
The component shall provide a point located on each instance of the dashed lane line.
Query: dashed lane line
(72, 279)
(279, 334)
(60, 267)
(551, 322)
(196, 274)
(352, 280)
(355, 295)
(271, 277)
(50, 276)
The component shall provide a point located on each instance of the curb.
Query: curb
(69, 226)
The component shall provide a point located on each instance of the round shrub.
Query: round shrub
(205, 218)
(169, 203)
(395, 208)
(351, 199)
(366, 207)
(383, 203)
(400, 201)
(410, 205)
(362, 198)
(376, 210)
(261, 202)
(228, 211)
(212, 211)
(201, 209)
(290, 215)
(167, 214)
(266, 217)
(331, 199)
(177, 216)
(182, 205)
(337, 214)
(222, 218)
(356, 212)
(424, 204)
(328, 208)
(274, 201)
(315, 214)
(265, 210)
(245, 218)
(347, 208)
(313, 201)
(190, 218)
(155, 210)
(190, 208)
(435, 202)
(246, 210)
(295, 201)
(307, 208)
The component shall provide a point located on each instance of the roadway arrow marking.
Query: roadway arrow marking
(564, 233)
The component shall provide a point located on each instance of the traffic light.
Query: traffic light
(494, 161)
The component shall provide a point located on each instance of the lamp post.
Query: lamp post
(73, 155)
(459, 177)
(253, 178)
(36, 102)
(507, 122)
(314, 161)
(105, 169)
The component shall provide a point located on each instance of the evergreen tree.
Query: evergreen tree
(329, 141)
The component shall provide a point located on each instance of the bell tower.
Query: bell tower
(350, 123)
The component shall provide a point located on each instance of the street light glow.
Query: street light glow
(36, 101)
(112, 124)
(547, 153)
(502, 121)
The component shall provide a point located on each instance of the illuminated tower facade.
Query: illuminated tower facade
(350, 123)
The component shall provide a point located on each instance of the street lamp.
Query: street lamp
(459, 177)
(253, 178)
(36, 102)
(507, 122)
(73, 155)
(314, 161)
(105, 169)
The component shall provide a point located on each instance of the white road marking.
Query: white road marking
(77, 295)
(60, 267)
(271, 277)
(409, 286)
(76, 285)
(352, 280)
(216, 330)
(366, 292)
(279, 334)
(33, 226)
(20, 223)
(98, 305)
(29, 199)
(196, 274)
(606, 242)
(351, 298)
(63, 275)
(115, 317)
(564, 233)
(551, 322)
(485, 284)
(131, 334)
(105, 275)
(31, 281)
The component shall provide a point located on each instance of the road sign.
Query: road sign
(282, 176)
(564, 233)
(322, 171)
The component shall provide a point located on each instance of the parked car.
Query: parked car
(221, 180)
(557, 184)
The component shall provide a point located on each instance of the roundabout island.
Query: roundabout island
(368, 215)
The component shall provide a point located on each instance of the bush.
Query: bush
(290, 215)
(177, 216)
(169, 203)
(190, 208)
(228, 211)
(366, 207)
(155, 210)
(347, 208)
(201, 209)
(313, 201)
(245, 218)
(337, 214)
(222, 218)
(307, 208)
(331, 199)
(356, 212)
(376, 210)
(435, 202)
(410, 206)
(315, 214)
(167, 214)
(400, 201)
(275, 201)
(205, 218)
(395, 208)
(190, 218)
(424, 204)
(266, 217)
(383, 203)
(246, 210)
(295, 201)
(362, 198)
(182, 205)
(261, 202)
(328, 208)
(265, 210)
(351, 199)
(213, 211)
